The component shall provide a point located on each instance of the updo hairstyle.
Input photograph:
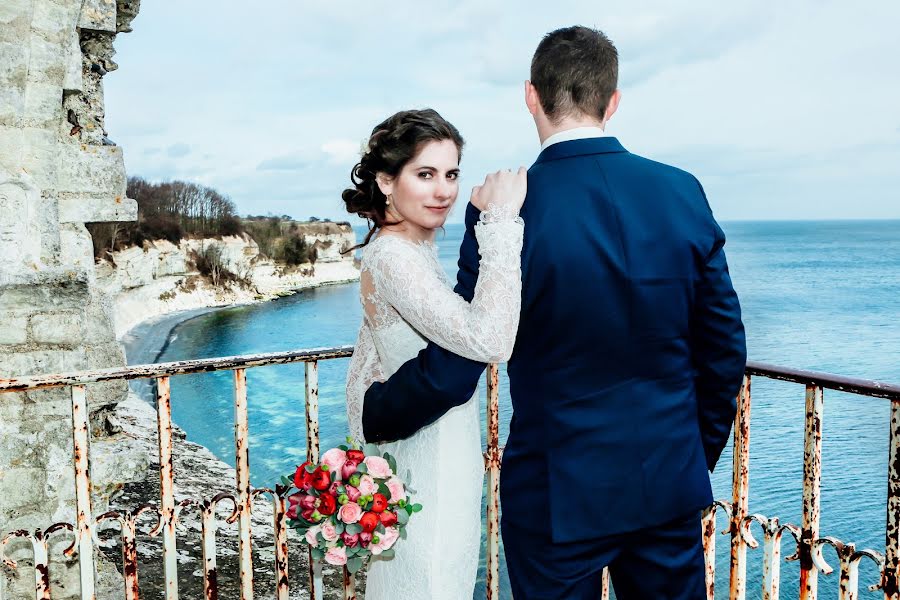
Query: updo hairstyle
(393, 143)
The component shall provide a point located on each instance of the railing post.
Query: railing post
(889, 578)
(167, 486)
(130, 555)
(242, 468)
(740, 493)
(708, 523)
(312, 455)
(812, 476)
(83, 515)
(281, 545)
(493, 484)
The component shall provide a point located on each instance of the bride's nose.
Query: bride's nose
(444, 190)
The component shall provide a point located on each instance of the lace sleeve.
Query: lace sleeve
(485, 330)
(364, 369)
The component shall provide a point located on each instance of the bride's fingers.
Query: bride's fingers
(475, 191)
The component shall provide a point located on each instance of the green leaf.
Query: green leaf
(353, 528)
(379, 528)
(402, 517)
(343, 447)
(383, 490)
(285, 480)
(371, 450)
(403, 533)
(339, 527)
(416, 508)
(389, 553)
(317, 553)
(392, 462)
(310, 468)
(354, 564)
(362, 468)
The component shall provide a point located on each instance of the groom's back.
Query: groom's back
(602, 380)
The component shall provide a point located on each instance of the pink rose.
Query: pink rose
(306, 501)
(335, 459)
(337, 556)
(385, 540)
(367, 486)
(395, 486)
(350, 512)
(350, 540)
(352, 493)
(311, 538)
(378, 467)
(329, 532)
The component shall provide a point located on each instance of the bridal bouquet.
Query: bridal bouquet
(350, 506)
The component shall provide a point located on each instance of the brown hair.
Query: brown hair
(575, 70)
(393, 143)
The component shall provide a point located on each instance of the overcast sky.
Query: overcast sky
(786, 110)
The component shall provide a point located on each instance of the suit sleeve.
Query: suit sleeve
(425, 387)
(718, 348)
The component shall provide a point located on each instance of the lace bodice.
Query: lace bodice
(402, 282)
(408, 301)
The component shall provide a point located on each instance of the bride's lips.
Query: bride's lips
(438, 209)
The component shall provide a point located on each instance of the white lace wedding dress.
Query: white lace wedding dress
(408, 301)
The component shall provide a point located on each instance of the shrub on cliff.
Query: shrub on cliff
(295, 251)
(209, 263)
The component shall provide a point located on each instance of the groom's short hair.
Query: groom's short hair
(575, 70)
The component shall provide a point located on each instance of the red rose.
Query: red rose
(302, 479)
(356, 456)
(379, 503)
(350, 540)
(364, 539)
(327, 504)
(321, 479)
(369, 521)
(388, 518)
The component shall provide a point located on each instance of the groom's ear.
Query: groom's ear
(532, 100)
(612, 105)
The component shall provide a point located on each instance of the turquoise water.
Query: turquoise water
(816, 295)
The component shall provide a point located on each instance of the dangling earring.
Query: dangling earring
(388, 201)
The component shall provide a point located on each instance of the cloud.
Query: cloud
(178, 150)
(341, 151)
(282, 163)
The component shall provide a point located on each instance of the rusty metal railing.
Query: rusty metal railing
(808, 540)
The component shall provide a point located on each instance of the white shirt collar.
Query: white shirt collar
(577, 133)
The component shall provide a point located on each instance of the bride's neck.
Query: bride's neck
(410, 231)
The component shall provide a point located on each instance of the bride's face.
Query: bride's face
(425, 190)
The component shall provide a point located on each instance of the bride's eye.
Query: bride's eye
(453, 176)
(425, 175)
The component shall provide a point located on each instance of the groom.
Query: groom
(629, 355)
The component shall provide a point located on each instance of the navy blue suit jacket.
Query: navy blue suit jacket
(629, 355)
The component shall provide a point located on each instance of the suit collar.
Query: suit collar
(599, 145)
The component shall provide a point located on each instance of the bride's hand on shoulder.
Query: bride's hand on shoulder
(501, 189)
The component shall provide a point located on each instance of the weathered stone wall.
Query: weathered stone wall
(58, 170)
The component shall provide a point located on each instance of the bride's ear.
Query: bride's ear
(385, 183)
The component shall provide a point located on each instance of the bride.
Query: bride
(406, 183)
